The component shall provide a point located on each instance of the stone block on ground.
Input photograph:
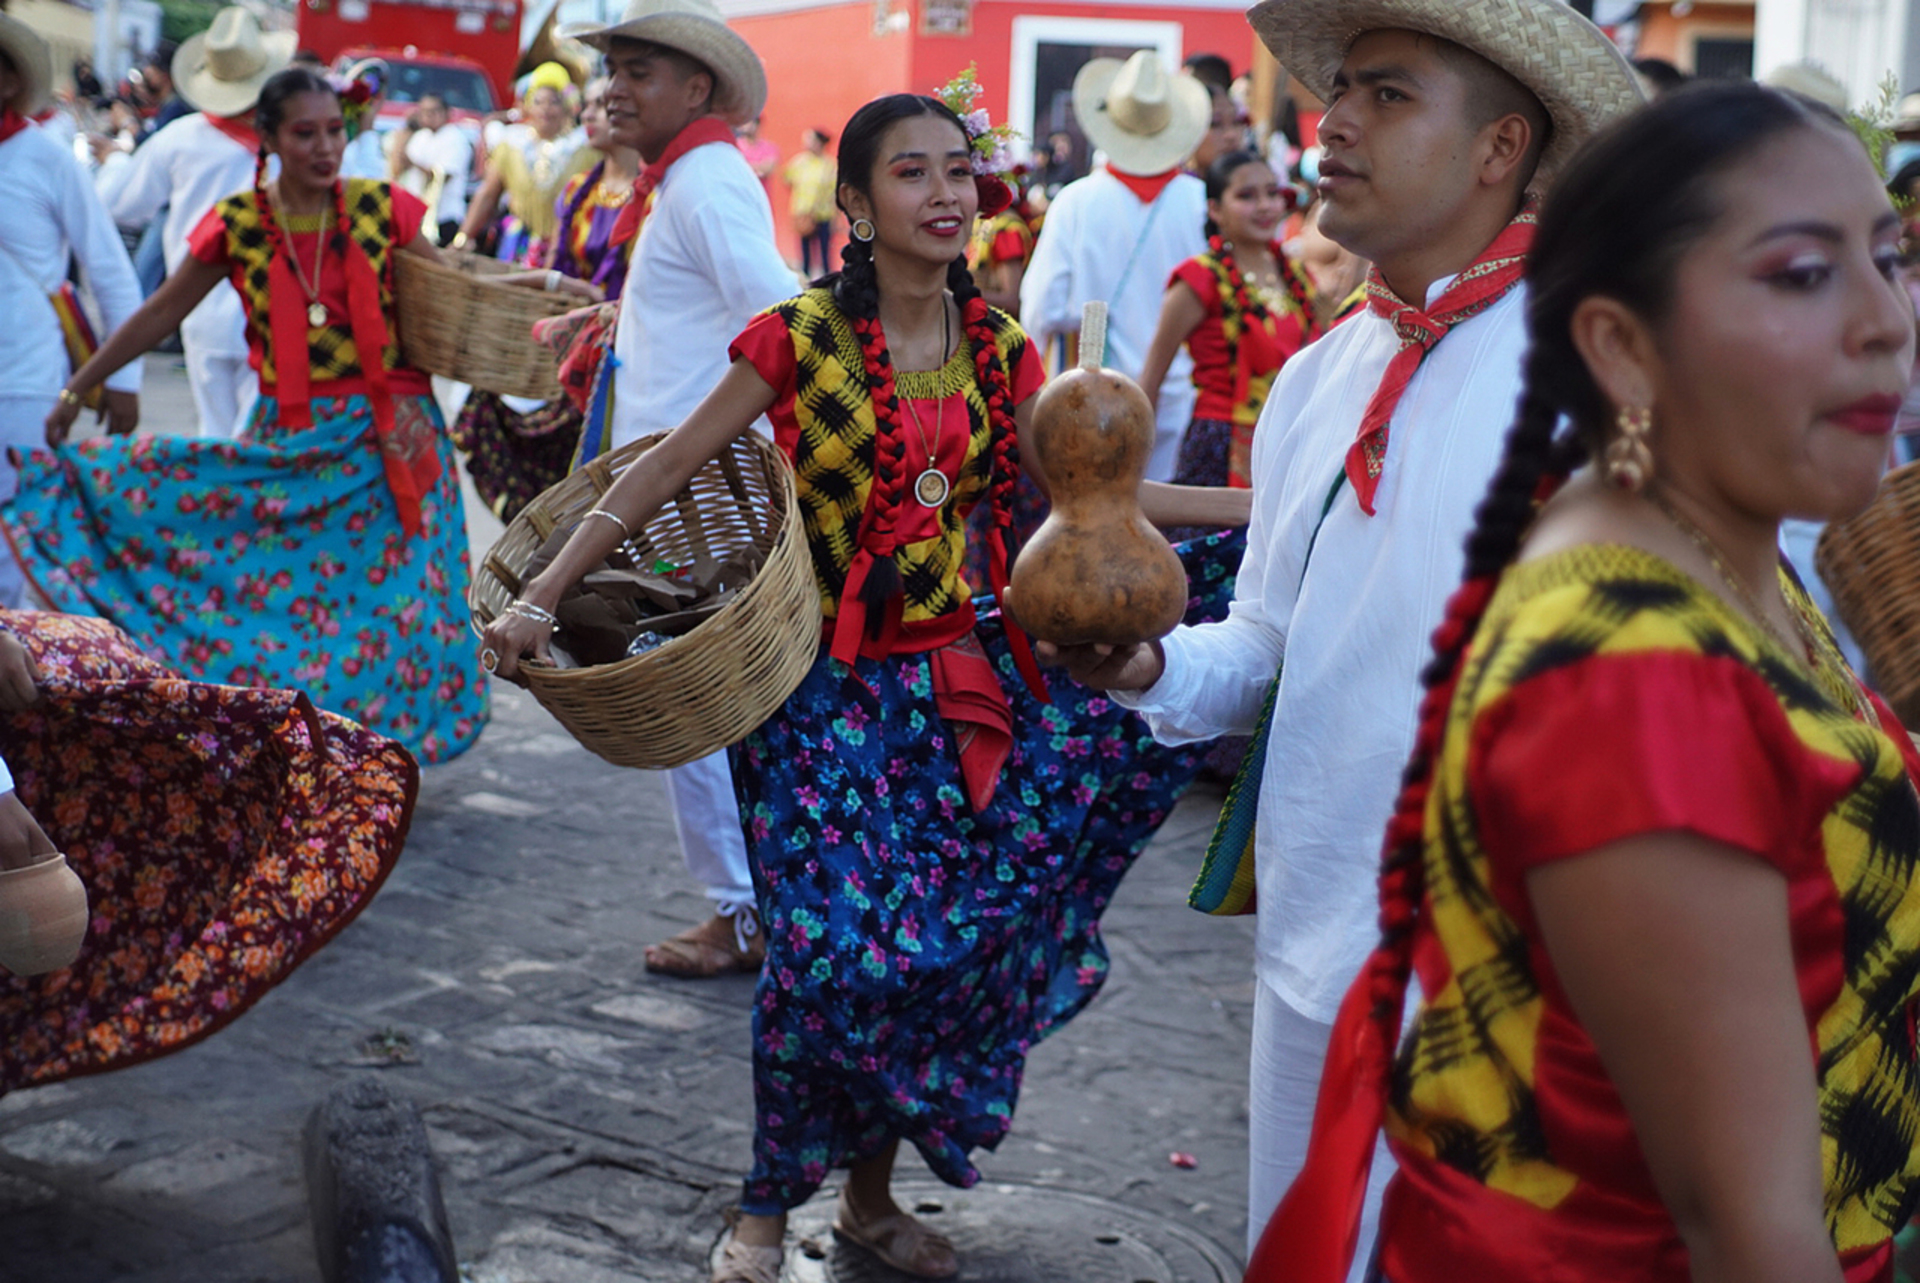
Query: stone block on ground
(374, 1192)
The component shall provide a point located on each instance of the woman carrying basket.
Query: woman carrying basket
(933, 843)
(325, 551)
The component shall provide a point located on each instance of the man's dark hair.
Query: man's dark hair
(1211, 70)
(1661, 74)
(1493, 94)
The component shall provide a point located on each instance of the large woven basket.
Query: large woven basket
(456, 322)
(709, 688)
(1871, 564)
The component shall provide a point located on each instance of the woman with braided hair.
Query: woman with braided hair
(1654, 857)
(325, 551)
(1241, 309)
(933, 842)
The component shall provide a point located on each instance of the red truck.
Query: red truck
(462, 50)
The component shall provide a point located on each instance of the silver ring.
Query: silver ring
(489, 659)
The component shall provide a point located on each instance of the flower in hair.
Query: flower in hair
(992, 144)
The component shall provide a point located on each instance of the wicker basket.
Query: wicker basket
(709, 688)
(455, 322)
(1871, 564)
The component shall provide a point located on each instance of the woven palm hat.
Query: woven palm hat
(220, 71)
(1578, 74)
(696, 29)
(32, 61)
(1144, 117)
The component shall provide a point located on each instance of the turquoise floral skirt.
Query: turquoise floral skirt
(277, 561)
(917, 949)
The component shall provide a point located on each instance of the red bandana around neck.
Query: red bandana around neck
(11, 123)
(707, 129)
(1146, 186)
(237, 128)
(1483, 283)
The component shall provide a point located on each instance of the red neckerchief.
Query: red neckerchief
(1146, 186)
(237, 128)
(410, 459)
(11, 123)
(707, 129)
(1484, 283)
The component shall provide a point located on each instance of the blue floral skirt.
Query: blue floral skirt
(277, 560)
(916, 950)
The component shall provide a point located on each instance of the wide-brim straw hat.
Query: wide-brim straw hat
(696, 29)
(1145, 118)
(220, 71)
(1569, 64)
(32, 61)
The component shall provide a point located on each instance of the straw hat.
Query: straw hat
(1809, 80)
(1572, 68)
(1146, 120)
(1906, 115)
(32, 61)
(696, 29)
(220, 71)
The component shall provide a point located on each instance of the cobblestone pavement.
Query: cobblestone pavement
(591, 1121)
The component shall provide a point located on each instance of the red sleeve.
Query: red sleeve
(1614, 747)
(1028, 375)
(409, 212)
(208, 239)
(1008, 246)
(768, 345)
(1194, 274)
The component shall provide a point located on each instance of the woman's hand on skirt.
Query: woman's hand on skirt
(511, 638)
(19, 676)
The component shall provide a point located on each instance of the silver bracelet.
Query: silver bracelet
(527, 610)
(614, 517)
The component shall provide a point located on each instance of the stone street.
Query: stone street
(591, 1121)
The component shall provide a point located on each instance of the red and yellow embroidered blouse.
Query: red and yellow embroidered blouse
(1608, 695)
(823, 420)
(1227, 360)
(381, 217)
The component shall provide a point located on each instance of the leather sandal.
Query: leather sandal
(899, 1241)
(714, 948)
(742, 1263)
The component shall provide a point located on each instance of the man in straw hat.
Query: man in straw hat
(53, 217)
(1370, 457)
(187, 166)
(1118, 233)
(704, 264)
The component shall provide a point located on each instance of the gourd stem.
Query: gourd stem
(1093, 335)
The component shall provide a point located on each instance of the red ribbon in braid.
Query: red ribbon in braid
(411, 461)
(1312, 1236)
(1256, 347)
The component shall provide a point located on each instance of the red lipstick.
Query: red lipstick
(1871, 416)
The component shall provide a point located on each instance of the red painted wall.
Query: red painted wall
(823, 63)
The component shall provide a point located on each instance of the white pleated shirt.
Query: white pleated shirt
(1095, 228)
(1355, 631)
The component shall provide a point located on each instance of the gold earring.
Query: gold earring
(862, 231)
(1629, 462)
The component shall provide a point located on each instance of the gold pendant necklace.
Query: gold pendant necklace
(316, 310)
(931, 487)
(1809, 648)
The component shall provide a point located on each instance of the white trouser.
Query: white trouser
(224, 390)
(23, 426)
(707, 816)
(1283, 1083)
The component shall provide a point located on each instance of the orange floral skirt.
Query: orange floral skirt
(224, 834)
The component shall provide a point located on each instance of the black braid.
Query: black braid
(855, 287)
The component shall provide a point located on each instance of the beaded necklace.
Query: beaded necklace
(1246, 304)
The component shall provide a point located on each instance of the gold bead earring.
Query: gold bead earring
(1629, 462)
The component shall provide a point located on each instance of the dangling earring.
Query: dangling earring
(862, 231)
(1629, 461)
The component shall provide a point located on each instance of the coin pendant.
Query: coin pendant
(931, 488)
(316, 314)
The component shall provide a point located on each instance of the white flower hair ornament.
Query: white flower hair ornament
(991, 144)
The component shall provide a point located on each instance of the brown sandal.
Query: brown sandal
(711, 949)
(899, 1241)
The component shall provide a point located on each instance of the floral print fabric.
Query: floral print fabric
(223, 835)
(277, 560)
(917, 950)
